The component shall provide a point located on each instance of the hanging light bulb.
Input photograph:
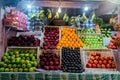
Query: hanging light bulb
(59, 10)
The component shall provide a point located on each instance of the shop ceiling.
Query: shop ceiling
(99, 6)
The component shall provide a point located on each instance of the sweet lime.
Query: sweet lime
(25, 70)
(2, 69)
(14, 65)
(23, 65)
(15, 69)
(5, 65)
(11, 69)
(9, 65)
(6, 69)
(1, 64)
(20, 70)
(29, 65)
(31, 69)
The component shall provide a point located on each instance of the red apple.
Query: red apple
(104, 61)
(105, 57)
(94, 66)
(97, 57)
(56, 63)
(95, 61)
(88, 65)
(113, 66)
(90, 61)
(100, 62)
(110, 61)
(103, 66)
(92, 57)
(51, 67)
(51, 63)
(108, 66)
(46, 67)
(98, 65)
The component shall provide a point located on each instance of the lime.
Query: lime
(34, 68)
(31, 55)
(33, 58)
(6, 69)
(5, 65)
(13, 61)
(23, 58)
(34, 63)
(21, 55)
(29, 65)
(20, 70)
(4, 58)
(23, 65)
(14, 65)
(31, 69)
(2, 69)
(17, 53)
(10, 53)
(16, 56)
(1, 64)
(27, 61)
(27, 58)
(15, 69)
(19, 65)
(26, 55)
(11, 69)
(25, 70)
(22, 61)
(9, 65)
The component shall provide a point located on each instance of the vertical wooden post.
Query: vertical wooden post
(1, 33)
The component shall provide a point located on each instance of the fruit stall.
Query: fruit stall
(70, 41)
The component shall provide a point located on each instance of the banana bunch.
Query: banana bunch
(77, 18)
(41, 15)
(72, 19)
(112, 21)
(84, 18)
(65, 18)
(56, 15)
(49, 14)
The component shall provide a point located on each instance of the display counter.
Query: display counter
(59, 76)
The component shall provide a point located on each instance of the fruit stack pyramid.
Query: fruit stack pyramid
(49, 61)
(71, 61)
(69, 38)
(97, 60)
(51, 37)
(92, 41)
(16, 60)
(24, 40)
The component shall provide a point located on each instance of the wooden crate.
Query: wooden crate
(48, 50)
(51, 27)
(103, 52)
(36, 49)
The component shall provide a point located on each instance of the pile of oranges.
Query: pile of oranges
(69, 38)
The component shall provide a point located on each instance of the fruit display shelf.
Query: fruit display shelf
(49, 61)
(97, 60)
(19, 59)
(92, 40)
(51, 37)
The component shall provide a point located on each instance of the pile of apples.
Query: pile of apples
(49, 61)
(24, 40)
(96, 60)
(92, 41)
(111, 45)
(51, 37)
